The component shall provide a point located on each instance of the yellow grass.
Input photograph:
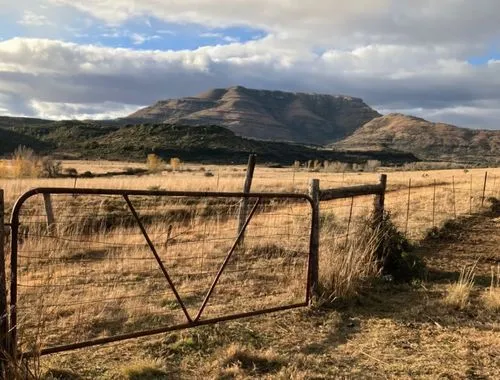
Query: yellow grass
(491, 296)
(459, 292)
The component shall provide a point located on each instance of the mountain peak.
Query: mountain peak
(264, 114)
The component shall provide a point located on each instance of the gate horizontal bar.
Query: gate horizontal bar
(139, 334)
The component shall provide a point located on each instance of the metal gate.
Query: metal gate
(92, 266)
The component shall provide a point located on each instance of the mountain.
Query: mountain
(209, 144)
(425, 139)
(265, 115)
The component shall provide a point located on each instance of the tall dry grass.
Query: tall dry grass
(347, 265)
(491, 296)
(458, 293)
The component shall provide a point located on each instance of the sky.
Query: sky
(437, 59)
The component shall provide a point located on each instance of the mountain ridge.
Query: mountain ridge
(267, 115)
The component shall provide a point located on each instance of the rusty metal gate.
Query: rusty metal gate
(92, 266)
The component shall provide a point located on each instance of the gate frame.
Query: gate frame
(311, 275)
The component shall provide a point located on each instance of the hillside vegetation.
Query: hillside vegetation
(91, 140)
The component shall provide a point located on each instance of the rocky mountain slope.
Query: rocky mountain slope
(265, 115)
(425, 139)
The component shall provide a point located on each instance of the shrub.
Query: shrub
(394, 253)
(209, 174)
(175, 163)
(154, 163)
(72, 172)
(372, 165)
(25, 163)
(87, 174)
(50, 168)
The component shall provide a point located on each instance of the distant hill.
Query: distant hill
(265, 115)
(425, 139)
(211, 144)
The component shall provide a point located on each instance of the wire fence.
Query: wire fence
(96, 271)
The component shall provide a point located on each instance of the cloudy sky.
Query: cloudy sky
(439, 59)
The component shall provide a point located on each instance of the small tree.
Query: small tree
(154, 163)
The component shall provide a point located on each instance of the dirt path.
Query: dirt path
(394, 331)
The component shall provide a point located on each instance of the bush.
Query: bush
(50, 168)
(175, 163)
(87, 174)
(25, 163)
(72, 172)
(373, 165)
(394, 253)
(154, 163)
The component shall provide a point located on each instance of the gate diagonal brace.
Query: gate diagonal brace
(157, 257)
(226, 260)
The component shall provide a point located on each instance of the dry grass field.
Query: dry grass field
(92, 275)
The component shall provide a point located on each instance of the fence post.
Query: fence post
(380, 201)
(49, 211)
(408, 207)
(470, 196)
(4, 348)
(484, 188)
(454, 197)
(246, 189)
(434, 205)
(314, 247)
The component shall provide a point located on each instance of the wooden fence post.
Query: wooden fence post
(242, 216)
(470, 196)
(380, 201)
(454, 197)
(49, 211)
(4, 348)
(484, 188)
(408, 207)
(434, 204)
(314, 248)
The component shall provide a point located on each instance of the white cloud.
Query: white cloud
(139, 39)
(58, 111)
(211, 35)
(48, 72)
(32, 19)
(397, 54)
